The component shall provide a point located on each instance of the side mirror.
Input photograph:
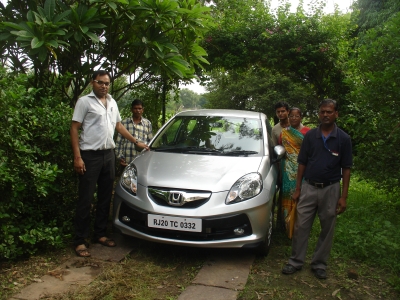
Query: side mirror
(279, 152)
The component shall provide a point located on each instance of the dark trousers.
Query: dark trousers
(100, 171)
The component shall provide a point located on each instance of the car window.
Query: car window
(218, 133)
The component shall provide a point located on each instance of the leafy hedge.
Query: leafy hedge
(37, 185)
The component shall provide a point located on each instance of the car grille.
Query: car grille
(213, 228)
(178, 198)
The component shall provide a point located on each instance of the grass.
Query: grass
(369, 229)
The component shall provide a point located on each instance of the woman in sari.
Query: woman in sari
(291, 139)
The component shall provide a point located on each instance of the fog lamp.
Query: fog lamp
(126, 219)
(238, 231)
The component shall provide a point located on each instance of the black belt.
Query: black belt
(97, 151)
(319, 185)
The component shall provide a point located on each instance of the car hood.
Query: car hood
(191, 171)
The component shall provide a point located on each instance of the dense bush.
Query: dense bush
(37, 185)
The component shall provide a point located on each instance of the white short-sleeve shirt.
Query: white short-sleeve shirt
(98, 122)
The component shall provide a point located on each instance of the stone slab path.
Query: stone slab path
(221, 278)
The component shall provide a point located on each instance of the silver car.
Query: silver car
(208, 180)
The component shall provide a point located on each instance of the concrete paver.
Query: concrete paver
(201, 292)
(221, 277)
(227, 271)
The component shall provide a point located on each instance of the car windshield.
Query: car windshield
(211, 135)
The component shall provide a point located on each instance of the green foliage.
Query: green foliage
(189, 99)
(368, 230)
(373, 113)
(373, 13)
(137, 39)
(256, 89)
(261, 57)
(151, 95)
(36, 185)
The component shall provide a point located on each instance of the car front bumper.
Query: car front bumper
(220, 223)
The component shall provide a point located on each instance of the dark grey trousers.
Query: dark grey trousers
(100, 172)
(315, 201)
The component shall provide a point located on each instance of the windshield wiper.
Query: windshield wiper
(239, 153)
(202, 150)
(190, 149)
(172, 149)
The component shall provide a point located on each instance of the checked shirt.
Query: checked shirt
(142, 131)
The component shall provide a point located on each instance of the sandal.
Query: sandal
(106, 242)
(82, 252)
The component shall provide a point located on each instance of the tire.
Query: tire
(265, 245)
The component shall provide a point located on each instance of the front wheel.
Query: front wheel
(265, 245)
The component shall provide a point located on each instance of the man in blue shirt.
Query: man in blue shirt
(325, 158)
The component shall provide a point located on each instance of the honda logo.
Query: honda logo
(176, 198)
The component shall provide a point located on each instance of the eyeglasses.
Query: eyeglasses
(294, 117)
(99, 82)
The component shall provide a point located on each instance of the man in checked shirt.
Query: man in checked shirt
(140, 128)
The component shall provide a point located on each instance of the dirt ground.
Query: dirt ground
(346, 279)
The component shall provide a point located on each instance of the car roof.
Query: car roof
(222, 112)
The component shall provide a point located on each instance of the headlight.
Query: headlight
(245, 188)
(129, 179)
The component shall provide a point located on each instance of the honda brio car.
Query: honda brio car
(208, 180)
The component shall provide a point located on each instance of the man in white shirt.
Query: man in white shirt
(98, 116)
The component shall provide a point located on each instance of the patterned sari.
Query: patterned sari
(291, 140)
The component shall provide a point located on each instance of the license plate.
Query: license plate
(174, 223)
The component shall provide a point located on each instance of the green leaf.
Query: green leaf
(49, 9)
(176, 71)
(171, 46)
(42, 54)
(112, 5)
(61, 16)
(36, 43)
(29, 16)
(96, 26)
(42, 14)
(78, 36)
(38, 19)
(13, 25)
(4, 36)
(60, 32)
(22, 33)
(89, 14)
(52, 43)
(84, 29)
(93, 37)
(130, 16)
